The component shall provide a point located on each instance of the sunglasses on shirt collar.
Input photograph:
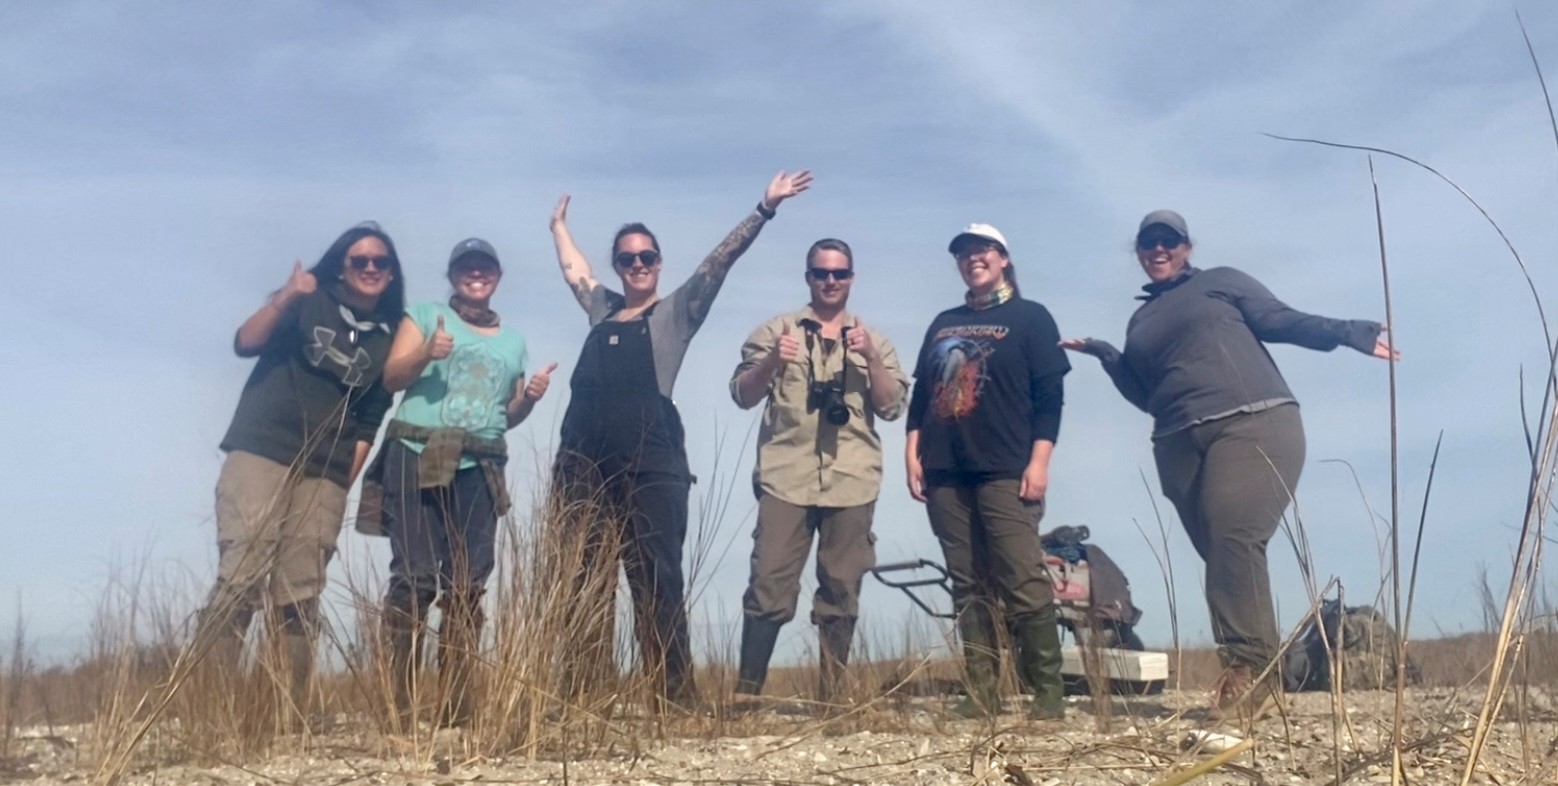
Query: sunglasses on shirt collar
(823, 274)
(647, 258)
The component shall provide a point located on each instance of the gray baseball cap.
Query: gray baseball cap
(474, 245)
(1167, 218)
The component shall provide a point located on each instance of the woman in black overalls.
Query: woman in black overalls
(622, 450)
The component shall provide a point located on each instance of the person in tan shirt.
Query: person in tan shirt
(826, 378)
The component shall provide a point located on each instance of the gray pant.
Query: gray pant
(845, 551)
(990, 539)
(1231, 479)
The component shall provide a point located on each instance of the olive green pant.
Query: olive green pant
(782, 542)
(1231, 480)
(990, 539)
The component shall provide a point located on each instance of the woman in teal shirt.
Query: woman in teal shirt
(441, 470)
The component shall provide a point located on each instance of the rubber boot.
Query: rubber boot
(299, 625)
(298, 650)
(834, 635)
(982, 661)
(758, 637)
(459, 636)
(220, 629)
(1038, 663)
(405, 662)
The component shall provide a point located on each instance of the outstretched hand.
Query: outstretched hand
(1074, 344)
(1383, 348)
(559, 214)
(784, 186)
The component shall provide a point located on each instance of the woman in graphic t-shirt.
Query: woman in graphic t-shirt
(983, 421)
(305, 421)
(440, 473)
(621, 438)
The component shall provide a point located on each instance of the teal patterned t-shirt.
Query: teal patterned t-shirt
(471, 388)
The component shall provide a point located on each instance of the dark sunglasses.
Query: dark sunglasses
(823, 274)
(361, 262)
(970, 250)
(475, 269)
(647, 258)
(1168, 240)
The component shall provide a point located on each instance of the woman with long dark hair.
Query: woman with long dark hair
(622, 441)
(983, 421)
(1227, 437)
(304, 424)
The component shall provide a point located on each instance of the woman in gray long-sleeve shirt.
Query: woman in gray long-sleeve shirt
(1227, 437)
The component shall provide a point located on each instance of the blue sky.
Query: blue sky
(167, 163)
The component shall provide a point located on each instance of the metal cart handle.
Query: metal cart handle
(941, 579)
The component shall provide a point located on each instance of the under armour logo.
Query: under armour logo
(352, 367)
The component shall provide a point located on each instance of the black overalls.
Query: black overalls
(623, 452)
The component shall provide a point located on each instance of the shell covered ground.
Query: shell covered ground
(906, 741)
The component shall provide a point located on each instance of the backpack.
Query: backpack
(1367, 644)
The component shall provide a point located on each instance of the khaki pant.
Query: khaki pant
(990, 539)
(845, 551)
(275, 534)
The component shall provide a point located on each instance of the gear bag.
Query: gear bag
(1367, 645)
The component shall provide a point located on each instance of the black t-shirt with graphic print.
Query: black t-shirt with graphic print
(315, 390)
(988, 384)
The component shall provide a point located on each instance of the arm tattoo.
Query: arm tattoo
(582, 289)
(718, 262)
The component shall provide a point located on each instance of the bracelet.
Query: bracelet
(768, 215)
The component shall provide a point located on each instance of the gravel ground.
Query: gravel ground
(912, 743)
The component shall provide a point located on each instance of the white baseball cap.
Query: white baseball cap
(983, 231)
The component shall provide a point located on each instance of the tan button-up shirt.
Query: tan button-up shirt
(801, 458)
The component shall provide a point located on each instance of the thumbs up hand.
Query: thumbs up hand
(789, 347)
(539, 383)
(440, 344)
(301, 282)
(860, 341)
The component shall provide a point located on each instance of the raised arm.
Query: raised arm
(1119, 369)
(255, 332)
(710, 275)
(576, 269)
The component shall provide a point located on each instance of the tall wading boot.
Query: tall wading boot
(404, 648)
(982, 661)
(1039, 662)
(219, 631)
(834, 636)
(299, 625)
(758, 637)
(459, 636)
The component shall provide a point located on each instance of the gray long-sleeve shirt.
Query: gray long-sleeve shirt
(1194, 351)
